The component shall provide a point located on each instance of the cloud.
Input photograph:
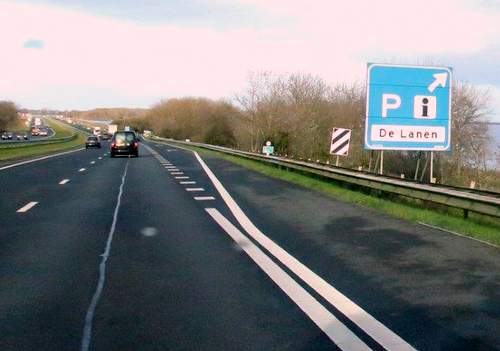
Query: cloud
(92, 57)
(33, 44)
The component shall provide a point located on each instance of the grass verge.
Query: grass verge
(476, 226)
(60, 129)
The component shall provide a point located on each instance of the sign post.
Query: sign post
(268, 149)
(408, 108)
(431, 176)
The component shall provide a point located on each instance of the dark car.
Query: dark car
(105, 136)
(92, 141)
(124, 143)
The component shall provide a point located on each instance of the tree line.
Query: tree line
(8, 114)
(297, 112)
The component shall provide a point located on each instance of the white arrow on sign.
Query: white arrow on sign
(440, 79)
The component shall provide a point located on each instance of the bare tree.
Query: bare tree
(8, 114)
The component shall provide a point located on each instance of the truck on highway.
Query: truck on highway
(112, 128)
(96, 131)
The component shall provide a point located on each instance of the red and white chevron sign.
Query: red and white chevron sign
(340, 141)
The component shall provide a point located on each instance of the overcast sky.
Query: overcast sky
(79, 55)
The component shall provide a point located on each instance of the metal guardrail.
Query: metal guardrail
(465, 200)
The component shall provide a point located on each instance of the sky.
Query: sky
(85, 54)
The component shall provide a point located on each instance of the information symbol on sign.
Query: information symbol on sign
(424, 106)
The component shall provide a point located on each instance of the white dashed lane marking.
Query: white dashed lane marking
(81, 169)
(204, 198)
(177, 173)
(92, 162)
(195, 189)
(182, 177)
(64, 181)
(27, 207)
(188, 182)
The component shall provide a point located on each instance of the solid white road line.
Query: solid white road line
(204, 198)
(27, 207)
(182, 177)
(326, 321)
(188, 182)
(177, 173)
(89, 317)
(195, 189)
(379, 332)
(64, 181)
(458, 234)
(39, 159)
(81, 169)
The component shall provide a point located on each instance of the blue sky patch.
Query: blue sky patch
(33, 44)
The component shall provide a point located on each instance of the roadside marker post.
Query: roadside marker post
(339, 144)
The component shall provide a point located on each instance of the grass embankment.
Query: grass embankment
(33, 150)
(476, 226)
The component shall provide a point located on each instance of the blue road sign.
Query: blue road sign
(408, 108)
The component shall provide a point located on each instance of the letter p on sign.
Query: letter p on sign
(390, 102)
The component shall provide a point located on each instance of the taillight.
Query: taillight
(136, 144)
(113, 145)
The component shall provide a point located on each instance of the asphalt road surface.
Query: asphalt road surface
(50, 132)
(179, 251)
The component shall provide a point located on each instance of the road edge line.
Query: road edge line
(369, 324)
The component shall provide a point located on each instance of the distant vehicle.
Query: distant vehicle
(19, 136)
(4, 136)
(43, 132)
(147, 133)
(96, 131)
(25, 136)
(105, 136)
(112, 128)
(124, 143)
(10, 135)
(92, 141)
(38, 121)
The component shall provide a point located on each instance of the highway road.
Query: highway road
(176, 250)
(31, 137)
